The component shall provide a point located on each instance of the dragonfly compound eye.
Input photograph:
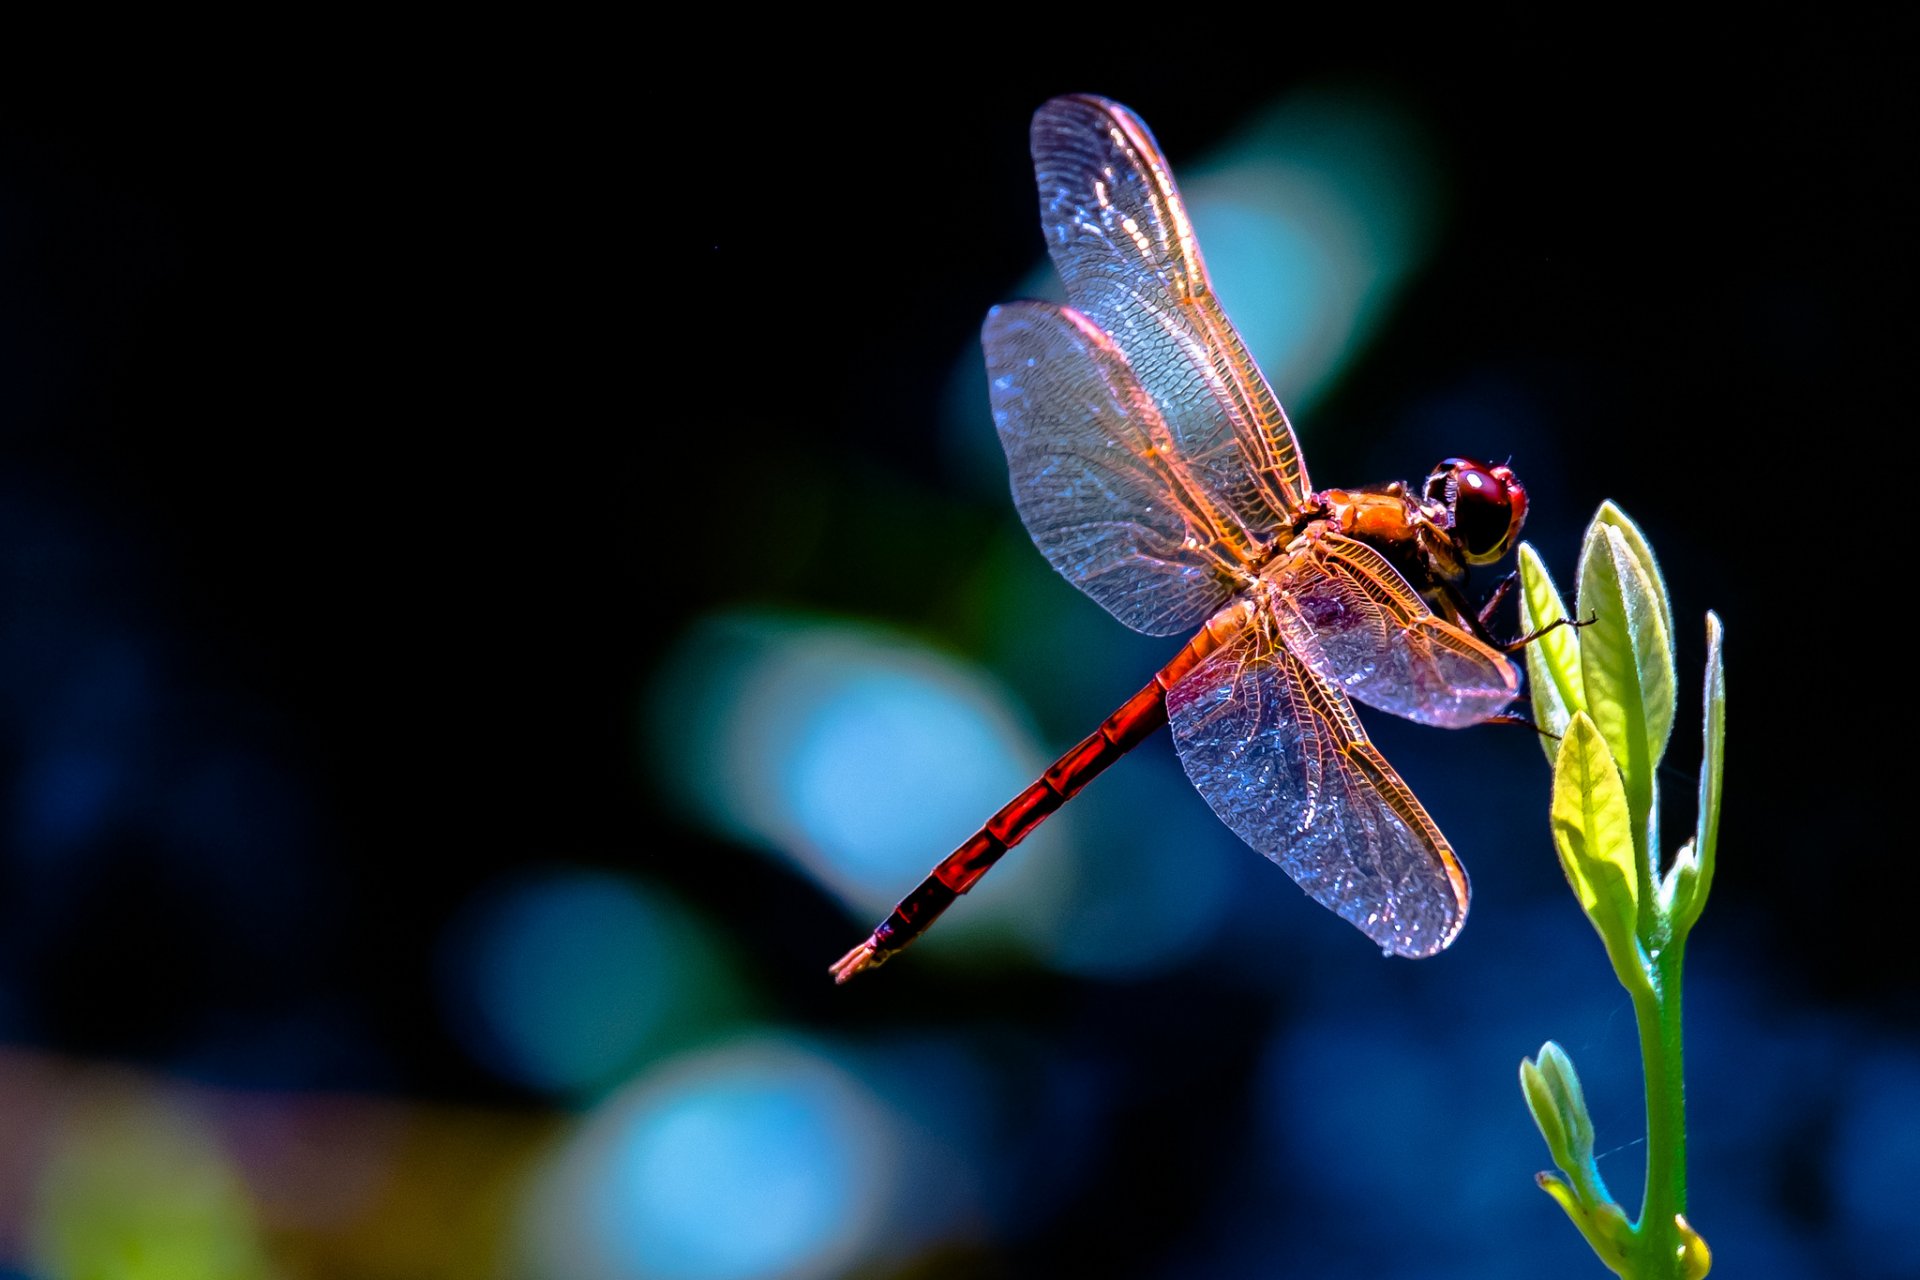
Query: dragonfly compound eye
(1487, 506)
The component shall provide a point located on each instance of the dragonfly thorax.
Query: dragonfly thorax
(1411, 534)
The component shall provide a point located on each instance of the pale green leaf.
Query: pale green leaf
(1547, 1117)
(1564, 1081)
(1604, 1226)
(1609, 514)
(1553, 660)
(1626, 659)
(1706, 836)
(1593, 831)
(1559, 1107)
(1681, 884)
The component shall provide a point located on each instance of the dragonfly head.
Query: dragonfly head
(1485, 507)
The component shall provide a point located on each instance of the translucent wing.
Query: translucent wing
(1120, 238)
(1107, 496)
(1280, 756)
(1351, 617)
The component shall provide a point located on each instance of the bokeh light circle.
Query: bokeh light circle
(856, 754)
(558, 980)
(761, 1158)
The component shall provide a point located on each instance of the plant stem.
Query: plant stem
(1656, 1008)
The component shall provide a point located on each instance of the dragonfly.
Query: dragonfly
(1155, 469)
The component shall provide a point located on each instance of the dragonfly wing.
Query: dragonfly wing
(1351, 617)
(1282, 759)
(1108, 499)
(1120, 238)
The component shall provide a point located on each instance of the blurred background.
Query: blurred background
(506, 572)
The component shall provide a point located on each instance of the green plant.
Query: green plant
(1605, 692)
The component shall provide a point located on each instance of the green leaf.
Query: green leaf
(1605, 1225)
(1557, 1069)
(1593, 830)
(1609, 514)
(1690, 896)
(1626, 660)
(1553, 660)
(1680, 887)
(1552, 1089)
(1559, 1107)
(1547, 1115)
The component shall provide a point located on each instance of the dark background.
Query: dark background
(370, 425)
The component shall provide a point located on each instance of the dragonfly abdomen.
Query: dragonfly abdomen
(1138, 717)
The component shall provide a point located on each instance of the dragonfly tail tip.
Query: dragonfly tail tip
(859, 959)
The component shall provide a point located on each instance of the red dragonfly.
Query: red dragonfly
(1156, 471)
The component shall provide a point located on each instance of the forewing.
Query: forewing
(1282, 759)
(1351, 617)
(1120, 238)
(1108, 499)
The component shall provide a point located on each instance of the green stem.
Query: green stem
(1656, 1008)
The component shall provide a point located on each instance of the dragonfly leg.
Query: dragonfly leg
(1514, 646)
(1483, 620)
(1499, 594)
